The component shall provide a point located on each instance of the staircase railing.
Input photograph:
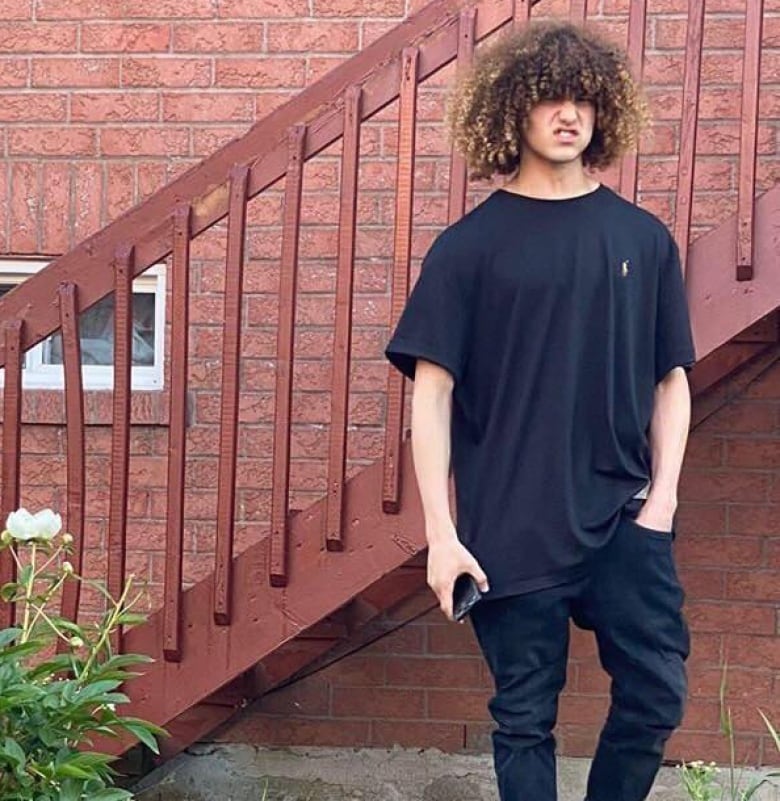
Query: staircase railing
(276, 149)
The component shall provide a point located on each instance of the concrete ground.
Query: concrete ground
(247, 773)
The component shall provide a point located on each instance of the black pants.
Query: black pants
(631, 599)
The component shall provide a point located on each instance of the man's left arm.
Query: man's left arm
(668, 436)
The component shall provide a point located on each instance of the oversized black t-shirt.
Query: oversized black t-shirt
(556, 318)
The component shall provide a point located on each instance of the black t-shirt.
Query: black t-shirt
(556, 318)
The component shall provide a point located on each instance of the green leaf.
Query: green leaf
(9, 591)
(111, 794)
(143, 734)
(96, 689)
(25, 574)
(772, 730)
(13, 751)
(8, 636)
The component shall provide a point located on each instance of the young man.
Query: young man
(548, 337)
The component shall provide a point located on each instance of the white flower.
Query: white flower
(42, 526)
(76, 642)
(67, 539)
(67, 567)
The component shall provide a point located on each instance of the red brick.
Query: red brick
(719, 551)
(702, 584)
(315, 36)
(723, 138)
(151, 176)
(765, 387)
(747, 618)
(77, 9)
(25, 195)
(310, 697)
(754, 519)
(590, 680)
(751, 651)
(206, 141)
(33, 107)
(724, 486)
(409, 639)
(120, 188)
(87, 194)
(73, 72)
(261, 9)
(379, 702)
(254, 729)
(175, 9)
(70, 141)
(55, 207)
(429, 672)
(452, 639)
(359, 8)
(37, 37)
(166, 72)
(755, 585)
(144, 141)
(458, 704)
(700, 518)
(260, 73)
(115, 106)
(582, 708)
(754, 453)
(14, 72)
(207, 108)
(16, 9)
(742, 417)
(218, 37)
(125, 38)
(447, 737)
(704, 451)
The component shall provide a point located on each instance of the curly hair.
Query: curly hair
(486, 112)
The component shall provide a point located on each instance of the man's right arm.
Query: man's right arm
(431, 417)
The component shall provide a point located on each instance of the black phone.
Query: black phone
(465, 594)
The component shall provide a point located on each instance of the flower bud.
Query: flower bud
(67, 539)
(67, 567)
(76, 642)
(6, 537)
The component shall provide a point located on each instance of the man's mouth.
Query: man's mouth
(565, 134)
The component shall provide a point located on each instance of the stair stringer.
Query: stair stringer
(721, 307)
(263, 617)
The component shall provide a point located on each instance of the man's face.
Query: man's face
(558, 131)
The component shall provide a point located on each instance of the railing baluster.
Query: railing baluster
(748, 149)
(578, 11)
(688, 126)
(74, 416)
(12, 446)
(342, 340)
(521, 13)
(637, 23)
(231, 356)
(177, 404)
(402, 254)
(467, 26)
(284, 355)
(120, 434)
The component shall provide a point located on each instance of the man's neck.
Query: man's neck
(551, 182)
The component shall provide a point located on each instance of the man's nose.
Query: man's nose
(568, 111)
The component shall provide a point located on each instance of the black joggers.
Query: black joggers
(631, 599)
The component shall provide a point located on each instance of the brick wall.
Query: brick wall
(425, 685)
(103, 103)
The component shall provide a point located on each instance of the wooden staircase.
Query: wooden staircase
(323, 573)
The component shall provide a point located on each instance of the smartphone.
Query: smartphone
(465, 594)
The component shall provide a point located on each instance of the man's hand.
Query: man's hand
(447, 559)
(657, 515)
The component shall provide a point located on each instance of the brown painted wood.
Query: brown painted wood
(767, 329)
(12, 447)
(320, 583)
(637, 25)
(723, 362)
(120, 432)
(285, 353)
(377, 68)
(748, 146)
(177, 415)
(578, 10)
(688, 126)
(342, 340)
(721, 307)
(467, 29)
(76, 462)
(522, 13)
(396, 385)
(231, 380)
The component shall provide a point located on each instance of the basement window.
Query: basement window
(42, 367)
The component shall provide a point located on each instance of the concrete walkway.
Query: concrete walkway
(245, 773)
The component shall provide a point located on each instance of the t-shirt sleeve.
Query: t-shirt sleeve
(674, 342)
(435, 322)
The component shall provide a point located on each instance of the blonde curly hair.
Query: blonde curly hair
(487, 110)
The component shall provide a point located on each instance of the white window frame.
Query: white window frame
(37, 375)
